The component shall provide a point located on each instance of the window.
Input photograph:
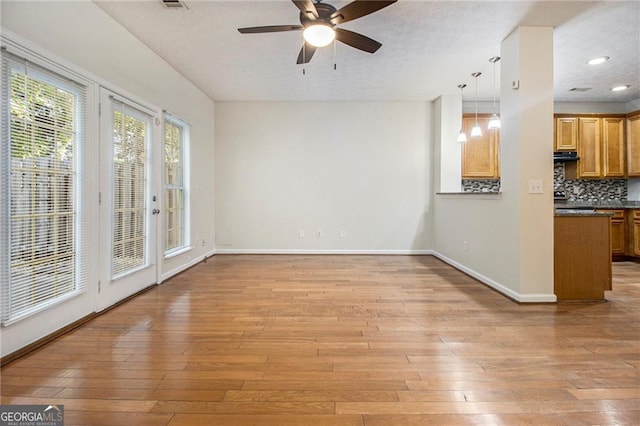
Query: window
(176, 196)
(42, 259)
(130, 180)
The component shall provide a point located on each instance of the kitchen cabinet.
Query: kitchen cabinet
(613, 147)
(600, 142)
(589, 165)
(633, 144)
(480, 155)
(618, 232)
(581, 257)
(566, 134)
(634, 234)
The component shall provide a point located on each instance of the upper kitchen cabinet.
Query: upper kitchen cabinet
(633, 144)
(613, 146)
(600, 142)
(589, 148)
(480, 155)
(566, 132)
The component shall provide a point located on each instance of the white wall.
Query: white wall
(361, 168)
(81, 34)
(507, 240)
(590, 108)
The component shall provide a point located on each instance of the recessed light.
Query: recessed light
(580, 89)
(599, 60)
(620, 88)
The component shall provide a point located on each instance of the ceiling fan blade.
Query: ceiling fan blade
(306, 53)
(270, 29)
(358, 9)
(307, 7)
(357, 40)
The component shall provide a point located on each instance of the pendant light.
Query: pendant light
(494, 122)
(462, 137)
(476, 131)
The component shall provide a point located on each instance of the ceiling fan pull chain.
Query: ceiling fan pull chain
(304, 57)
(335, 66)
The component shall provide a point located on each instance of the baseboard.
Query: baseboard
(520, 298)
(184, 267)
(311, 251)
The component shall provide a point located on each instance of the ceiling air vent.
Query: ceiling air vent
(580, 89)
(174, 4)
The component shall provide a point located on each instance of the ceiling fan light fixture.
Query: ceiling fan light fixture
(319, 35)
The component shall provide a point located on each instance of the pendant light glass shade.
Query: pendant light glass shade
(462, 137)
(494, 122)
(476, 131)
(319, 35)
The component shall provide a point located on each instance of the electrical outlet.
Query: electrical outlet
(343, 234)
(301, 233)
(465, 245)
(318, 234)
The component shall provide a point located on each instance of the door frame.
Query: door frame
(111, 290)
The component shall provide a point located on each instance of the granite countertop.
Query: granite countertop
(573, 212)
(613, 204)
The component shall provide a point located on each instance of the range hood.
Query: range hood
(565, 156)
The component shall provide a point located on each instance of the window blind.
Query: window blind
(174, 142)
(42, 218)
(130, 181)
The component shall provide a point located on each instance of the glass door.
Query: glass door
(128, 203)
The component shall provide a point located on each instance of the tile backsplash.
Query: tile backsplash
(480, 185)
(576, 189)
(589, 189)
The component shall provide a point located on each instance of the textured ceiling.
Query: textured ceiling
(429, 47)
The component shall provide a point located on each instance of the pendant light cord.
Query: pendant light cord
(493, 61)
(476, 75)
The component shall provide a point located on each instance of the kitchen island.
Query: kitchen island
(582, 255)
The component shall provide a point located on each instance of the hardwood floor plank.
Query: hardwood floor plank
(341, 340)
(110, 418)
(599, 394)
(271, 407)
(306, 395)
(265, 420)
(87, 404)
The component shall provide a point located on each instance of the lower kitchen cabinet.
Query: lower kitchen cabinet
(582, 259)
(634, 240)
(618, 232)
(625, 232)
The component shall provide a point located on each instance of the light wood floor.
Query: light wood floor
(341, 340)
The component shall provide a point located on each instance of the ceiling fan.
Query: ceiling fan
(319, 21)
